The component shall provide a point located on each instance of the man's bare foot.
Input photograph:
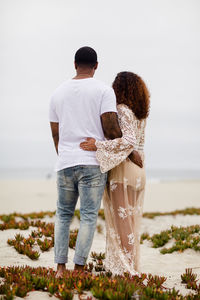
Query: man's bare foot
(60, 270)
(79, 267)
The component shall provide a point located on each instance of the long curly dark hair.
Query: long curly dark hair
(131, 90)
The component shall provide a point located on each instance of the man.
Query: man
(81, 107)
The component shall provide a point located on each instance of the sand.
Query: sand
(36, 195)
(28, 196)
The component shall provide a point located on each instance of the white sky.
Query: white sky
(159, 40)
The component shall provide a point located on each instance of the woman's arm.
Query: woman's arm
(110, 153)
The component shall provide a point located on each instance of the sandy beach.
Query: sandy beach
(28, 196)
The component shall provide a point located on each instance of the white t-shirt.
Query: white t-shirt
(77, 105)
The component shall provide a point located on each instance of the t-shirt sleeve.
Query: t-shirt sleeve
(108, 103)
(53, 117)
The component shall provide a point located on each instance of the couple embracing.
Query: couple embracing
(98, 132)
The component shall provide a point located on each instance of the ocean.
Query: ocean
(153, 175)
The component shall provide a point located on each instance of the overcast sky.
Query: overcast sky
(157, 39)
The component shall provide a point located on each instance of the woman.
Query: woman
(124, 194)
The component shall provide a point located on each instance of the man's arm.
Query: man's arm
(111, 129)
(55, 134)
(110, 125)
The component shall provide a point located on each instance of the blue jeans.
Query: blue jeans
(87, 182)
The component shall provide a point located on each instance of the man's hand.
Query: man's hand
(88, 145)
(136, 158)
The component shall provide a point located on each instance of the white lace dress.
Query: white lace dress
(124, 194)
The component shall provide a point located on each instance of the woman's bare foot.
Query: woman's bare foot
(60, 270)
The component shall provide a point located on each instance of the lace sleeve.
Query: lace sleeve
(142, 136)
(112, 152)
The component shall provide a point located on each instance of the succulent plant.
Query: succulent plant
(188, 276)
(99, 228)
(18, 281)
(73, 238)
(184, 238)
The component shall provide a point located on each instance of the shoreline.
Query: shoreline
(48, 173)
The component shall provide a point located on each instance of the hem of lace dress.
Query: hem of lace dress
(121, 271)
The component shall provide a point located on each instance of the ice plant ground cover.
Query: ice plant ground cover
(20, 280)
(184, 238)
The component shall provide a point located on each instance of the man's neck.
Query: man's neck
(84, 73)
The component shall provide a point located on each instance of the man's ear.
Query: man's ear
(75, 65)
(96, 66)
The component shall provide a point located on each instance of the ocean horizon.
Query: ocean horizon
(152, 175)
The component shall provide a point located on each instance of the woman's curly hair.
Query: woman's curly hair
(131, 90)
